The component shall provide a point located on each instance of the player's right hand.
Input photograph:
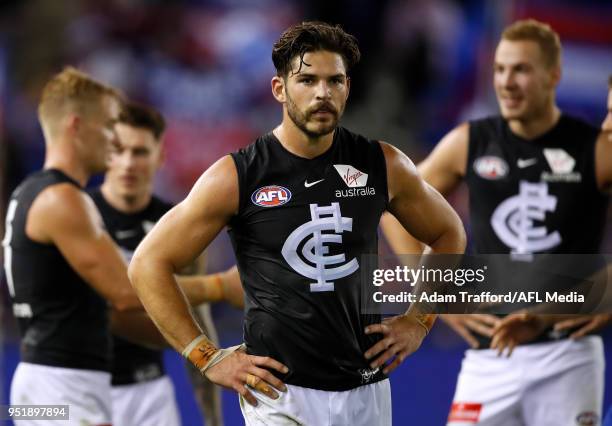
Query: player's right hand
(516, 329)
(581, 325)
(467, 324)
(239, 369)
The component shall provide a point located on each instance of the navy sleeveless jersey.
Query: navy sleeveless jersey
(132, 363)
(63, 322)
(550, 179)
(301, 229)
(534, 197)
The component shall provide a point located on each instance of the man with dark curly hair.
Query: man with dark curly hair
(303, 204)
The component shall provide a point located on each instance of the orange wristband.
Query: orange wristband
(200, 351)
(426, 320)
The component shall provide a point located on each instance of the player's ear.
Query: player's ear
(278, 88)
(555, 74)
(72, 123)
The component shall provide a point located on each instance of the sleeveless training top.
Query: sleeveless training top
(548, 183)
(535, 198)
(301, 229)
(132, 363)
(63, 322)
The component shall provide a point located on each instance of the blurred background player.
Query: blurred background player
(60, 264)
(531, 145)
(141, 392)
(511, 329)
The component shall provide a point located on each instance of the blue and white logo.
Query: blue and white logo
(315, 251)
(515, 220)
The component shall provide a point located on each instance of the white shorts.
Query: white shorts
(86, 392)
(149, 403)
(544, 384)
(368, 405)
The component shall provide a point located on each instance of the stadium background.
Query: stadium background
(206, 65)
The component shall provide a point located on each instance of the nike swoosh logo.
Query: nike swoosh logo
(308, 185)
(522, 163)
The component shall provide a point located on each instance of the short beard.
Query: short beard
(300, 119)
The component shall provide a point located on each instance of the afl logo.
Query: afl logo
(491, 167)
(271, 196)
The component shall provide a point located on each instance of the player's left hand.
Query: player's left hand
(517, 329)
(402, 335)
(586, 323)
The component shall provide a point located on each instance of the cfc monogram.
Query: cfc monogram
(315, 250)
(513, 220)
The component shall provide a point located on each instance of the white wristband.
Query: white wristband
(220, 355)
(195, 342)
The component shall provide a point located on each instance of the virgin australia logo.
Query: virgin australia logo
(314, 262)
(562, 165)
(356, 181)
(351, 176)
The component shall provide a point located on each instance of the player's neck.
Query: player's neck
(536, 126)
(125, 204)
(65, 160)
(299, 143)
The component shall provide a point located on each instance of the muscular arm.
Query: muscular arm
(137, 327)
(443, 170)
(64, 216)
(424, 213)
(177, 239)
(419, 208)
